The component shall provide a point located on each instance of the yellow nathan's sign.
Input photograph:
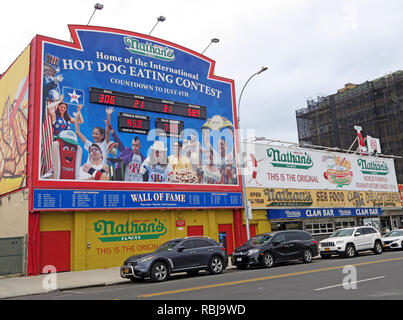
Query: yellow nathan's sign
(264, 198)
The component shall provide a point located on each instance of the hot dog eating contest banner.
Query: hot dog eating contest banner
(123, 109)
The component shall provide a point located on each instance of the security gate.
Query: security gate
(11, 255)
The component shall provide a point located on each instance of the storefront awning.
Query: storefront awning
(273, 214)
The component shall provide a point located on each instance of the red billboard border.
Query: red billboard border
(76, 44)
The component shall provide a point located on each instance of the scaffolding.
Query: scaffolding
(376, 106)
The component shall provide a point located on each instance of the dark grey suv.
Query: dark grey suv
(189, 255)
(269, 248)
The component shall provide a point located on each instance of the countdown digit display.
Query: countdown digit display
(132, 95)
(132, 101)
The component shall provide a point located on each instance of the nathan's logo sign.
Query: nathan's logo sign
(286, 198)
(373, 167)
(110, 231)
(149, 49)
(296, 159)
(338, 172)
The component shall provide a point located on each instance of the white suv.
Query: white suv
(349, 241)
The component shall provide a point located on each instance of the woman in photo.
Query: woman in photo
(60, 117)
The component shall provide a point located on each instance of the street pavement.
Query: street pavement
(16, 286)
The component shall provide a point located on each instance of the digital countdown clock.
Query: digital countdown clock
(133, 123)
(132, 101)
(171, 128)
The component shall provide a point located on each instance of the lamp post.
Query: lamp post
(97, 6)
(245, 198)
(214, 40)
(159, 19)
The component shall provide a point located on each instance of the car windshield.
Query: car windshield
(394, 234)
(168, 246)
(259, 239)
(342, 233)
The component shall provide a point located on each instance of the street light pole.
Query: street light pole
(214, 40)
(97, 6)
(245, 197)
(159, 19)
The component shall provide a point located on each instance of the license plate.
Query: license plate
(327, 249)
(238, 259)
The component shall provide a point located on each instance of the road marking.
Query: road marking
(224, 284)
(339, 285)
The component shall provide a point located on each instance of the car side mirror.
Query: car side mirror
(180, 248)
(276, 243)
(357, 234)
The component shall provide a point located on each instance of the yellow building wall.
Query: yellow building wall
(105, 239)
(262, 224)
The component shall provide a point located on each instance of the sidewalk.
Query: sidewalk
(14, 286)
(21, 286)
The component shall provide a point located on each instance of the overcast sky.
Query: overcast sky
(312, 47)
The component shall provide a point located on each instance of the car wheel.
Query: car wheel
(401, 246)
(216, 265)
(307, 258)
(159, 272)
(350, 251)
(268, 260)
(378, 247)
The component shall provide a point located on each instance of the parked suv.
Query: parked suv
(347, 242)
(269, 248)
(189, 255)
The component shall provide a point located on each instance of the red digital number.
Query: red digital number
(195, 113)
(106, 98)
(138, 104)
(134, 123)
(167, 108)
(170, 127)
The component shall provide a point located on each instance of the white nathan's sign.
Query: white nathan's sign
(280, 167)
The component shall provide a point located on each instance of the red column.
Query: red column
(237, 227)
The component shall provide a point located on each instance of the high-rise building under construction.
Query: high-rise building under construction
(376, 106)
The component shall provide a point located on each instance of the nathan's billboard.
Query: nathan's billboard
(121, 110)
(297, 168)
(265, 198)
(14, 124)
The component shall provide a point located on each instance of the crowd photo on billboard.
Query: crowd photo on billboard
(84, 141)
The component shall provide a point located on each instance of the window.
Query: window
(361, 230)
(279, 238)
(188, 244)
(319, 226)
(200, 243)
(370, 230)
(298, 236)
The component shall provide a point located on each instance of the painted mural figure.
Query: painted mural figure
(66, 154)
(51, 94)
(156, 165)
(193, 149)
(51, 88)
(61, 120)
(225, 160)
(94, 169)
(181, 166)
(99, 135)
(131, 157)
(209, 173)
